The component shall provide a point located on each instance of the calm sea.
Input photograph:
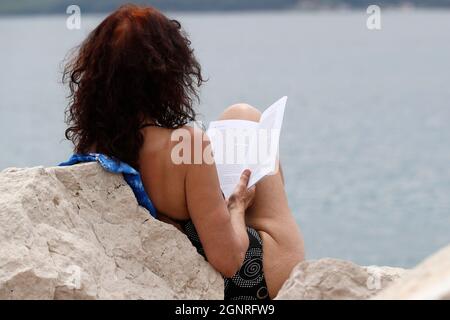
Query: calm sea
(366, 138)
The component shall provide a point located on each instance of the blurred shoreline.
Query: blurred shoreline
(27, 8)
(343, 10)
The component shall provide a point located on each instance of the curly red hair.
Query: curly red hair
(136, 66)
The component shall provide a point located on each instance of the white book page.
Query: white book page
(241, 144)
(267, 149)
(230, 140)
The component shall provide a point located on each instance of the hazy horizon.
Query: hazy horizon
(32, 7)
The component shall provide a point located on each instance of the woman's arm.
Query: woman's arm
(221, 228)
(238, 203)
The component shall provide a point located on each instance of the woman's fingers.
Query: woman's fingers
(241, 188)
(243, 196)
(245, 177)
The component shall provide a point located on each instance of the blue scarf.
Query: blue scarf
(131, 176)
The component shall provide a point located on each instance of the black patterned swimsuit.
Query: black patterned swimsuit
(249, 282)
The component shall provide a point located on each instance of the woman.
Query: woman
(133, 82)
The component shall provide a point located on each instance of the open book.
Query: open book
(239, 144)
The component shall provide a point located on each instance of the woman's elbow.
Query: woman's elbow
(238, 261)
(230, 268)
(228, 265)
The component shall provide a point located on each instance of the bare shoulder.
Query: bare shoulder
(183, 147)
(192, 148)
(194, 132)
(190, 137)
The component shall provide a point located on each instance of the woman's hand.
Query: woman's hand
(242, 197)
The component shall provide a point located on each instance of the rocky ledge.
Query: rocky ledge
(78, 233)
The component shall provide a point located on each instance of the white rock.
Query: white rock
(78, 233)
(430, 280)
(331, 279)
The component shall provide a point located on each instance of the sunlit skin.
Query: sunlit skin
(192, 191)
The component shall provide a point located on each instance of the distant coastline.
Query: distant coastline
(29, 7)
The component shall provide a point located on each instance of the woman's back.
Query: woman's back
(164, 180)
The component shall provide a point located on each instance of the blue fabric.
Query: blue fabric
(131, 176)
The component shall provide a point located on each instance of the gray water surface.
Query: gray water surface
(366, 139)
